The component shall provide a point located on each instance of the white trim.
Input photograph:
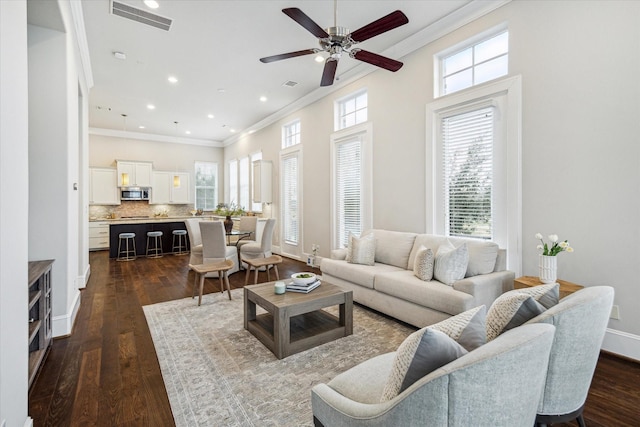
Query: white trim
(82, 280)
(27, 423)
(622, 343)
(63, 325)
(152, 137)
(81, 40)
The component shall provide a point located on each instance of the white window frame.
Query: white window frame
(364, 133)
(439, 89)
(339, 106)
(507, 220)
(255, 207)
(291, 134)
(293, 151)
(244, 176)
(215, 188)
(234, 184)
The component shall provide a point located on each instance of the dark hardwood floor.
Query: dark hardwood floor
(107, 374)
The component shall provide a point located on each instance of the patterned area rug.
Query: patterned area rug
(218, 374)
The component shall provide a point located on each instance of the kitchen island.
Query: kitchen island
(140, 227)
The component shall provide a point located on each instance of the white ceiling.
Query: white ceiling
(214, 46)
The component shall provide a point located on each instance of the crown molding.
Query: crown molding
(153, 137)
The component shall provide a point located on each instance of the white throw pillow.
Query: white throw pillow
(468, 329)
(423, 264)
(509, 311)
(362, 250)
(450, 263)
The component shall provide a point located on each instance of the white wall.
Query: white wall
(14, 206)
(579, 64)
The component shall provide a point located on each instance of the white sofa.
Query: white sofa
(390, 286)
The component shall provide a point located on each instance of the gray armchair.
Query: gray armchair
(580, 320)
(499, 383)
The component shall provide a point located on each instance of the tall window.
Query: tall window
(351, 186)
(206, 185)
(351, 110)
(291, 134)
(233, 181)
(255, 207)
(290, 204)
(243, 178)
(467, 159)
(475, 63)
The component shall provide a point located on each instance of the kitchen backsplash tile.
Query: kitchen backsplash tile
(139, 208)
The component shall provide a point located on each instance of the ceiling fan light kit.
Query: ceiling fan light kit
(336, 40)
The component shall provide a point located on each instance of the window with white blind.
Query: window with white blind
(290, 205)
(351, 186)
(351, 110)
(233, 181)
(479, 60)
(243, 179)
(255, 207)
(467, 160)
(291, 134)
(206, 174)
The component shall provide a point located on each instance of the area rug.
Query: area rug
(217, 374)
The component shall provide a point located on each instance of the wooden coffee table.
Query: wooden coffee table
(294, 321)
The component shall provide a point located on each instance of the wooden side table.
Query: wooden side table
(566, 288)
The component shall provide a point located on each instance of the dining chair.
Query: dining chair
(248, 224)
(214, 246)
(195, 240)
(262, 249)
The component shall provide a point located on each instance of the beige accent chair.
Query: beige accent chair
(195, 240)
(247, 224)
(497, 384)
(581, 320)
(214, 246)
(262, 249)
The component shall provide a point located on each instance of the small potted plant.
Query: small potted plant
(548, 266)
(229, 210)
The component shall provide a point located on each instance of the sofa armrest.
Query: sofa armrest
(339, 254)
(485, 288)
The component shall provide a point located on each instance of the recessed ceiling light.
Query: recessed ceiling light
(151, 107)
(120, 55)
(319, 58)
(188, 132)
(232, 130)
(153, 4)
(172, 79)
(251, 131)
(222, 90)
(263, 99)
(140, 127)
(211, 116)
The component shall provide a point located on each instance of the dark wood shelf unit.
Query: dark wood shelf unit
(39, 316)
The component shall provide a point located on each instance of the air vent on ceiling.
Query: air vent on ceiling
(289, 83)
(140, 15)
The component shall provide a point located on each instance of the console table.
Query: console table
(566, 288)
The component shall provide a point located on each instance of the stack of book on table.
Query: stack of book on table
(295, 287)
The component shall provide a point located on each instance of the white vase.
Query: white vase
(548, 269)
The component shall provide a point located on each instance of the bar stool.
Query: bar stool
(156, 249)
(181, 247)
(127, 254)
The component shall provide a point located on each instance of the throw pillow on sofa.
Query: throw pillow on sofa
(420, 353)
(450, 263)
(362, 250)
(468, 329)
(547, 295)
(511, 310)
(423, 264)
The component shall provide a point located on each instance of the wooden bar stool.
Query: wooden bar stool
(256, 263)
(201, 271)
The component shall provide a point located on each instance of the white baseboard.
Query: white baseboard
(81, 281)
(622, 343)
(27, 423)
(63, 325)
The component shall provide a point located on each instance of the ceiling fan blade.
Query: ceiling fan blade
(377, 60)
(308, 23)
(384, 24)
(288, 55)
(329, 72)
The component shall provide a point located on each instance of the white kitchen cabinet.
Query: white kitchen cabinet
(164, 192)
(98, 235)
(262, 177)
(138, 173)
(103, 186)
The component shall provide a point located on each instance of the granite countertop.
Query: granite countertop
(141, 220)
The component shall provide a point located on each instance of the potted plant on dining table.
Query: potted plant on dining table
(229, 210)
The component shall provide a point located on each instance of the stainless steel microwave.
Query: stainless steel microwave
(135, 193)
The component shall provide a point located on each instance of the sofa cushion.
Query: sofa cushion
(468, 329)
(433, 294)
(482, 254)
(362, 275)
(420, 353)
(450, 263)
(361, 250)
(423, 265)
(511, 310)
(393, 247)
(547, 295)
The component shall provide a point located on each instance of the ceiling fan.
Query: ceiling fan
(336, 40)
